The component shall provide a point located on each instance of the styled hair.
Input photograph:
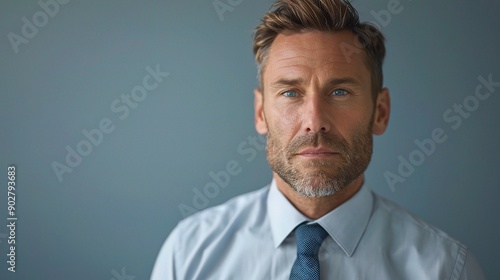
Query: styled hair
(320, 15)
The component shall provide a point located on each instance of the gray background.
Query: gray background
(115, 209)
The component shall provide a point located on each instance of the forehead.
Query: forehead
(316, 54)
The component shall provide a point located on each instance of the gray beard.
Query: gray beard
(319, 183)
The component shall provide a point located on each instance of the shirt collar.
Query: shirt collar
(345, 224)
(283, 216)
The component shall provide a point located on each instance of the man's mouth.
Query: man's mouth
(319, 152)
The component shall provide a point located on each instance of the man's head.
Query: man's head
(321, 96)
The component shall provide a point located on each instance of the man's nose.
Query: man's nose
(315, 114)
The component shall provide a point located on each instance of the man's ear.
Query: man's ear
(260, 120)
(382, 112)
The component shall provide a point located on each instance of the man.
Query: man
(319, 102)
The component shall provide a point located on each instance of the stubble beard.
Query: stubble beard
(321, 177)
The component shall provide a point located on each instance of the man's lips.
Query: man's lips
(317, 152)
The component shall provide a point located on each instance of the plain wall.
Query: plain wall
(109, 216)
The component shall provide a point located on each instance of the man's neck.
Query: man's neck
(316, 207)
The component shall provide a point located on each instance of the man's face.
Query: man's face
(318, 111)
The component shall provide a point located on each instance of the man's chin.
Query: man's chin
(322, 173)
(309, 190)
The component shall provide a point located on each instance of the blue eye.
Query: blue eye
(290, 93)
(339, 92)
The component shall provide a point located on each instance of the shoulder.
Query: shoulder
(240, 207)
(207, 233)
(403, 221)
(221, 222)
(411, 240)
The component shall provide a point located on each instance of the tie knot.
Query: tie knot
(309, 238)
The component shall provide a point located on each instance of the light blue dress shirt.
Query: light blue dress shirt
(251, 237)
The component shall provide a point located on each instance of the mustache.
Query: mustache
(331, 141)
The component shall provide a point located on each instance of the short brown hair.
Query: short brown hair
(320, 15)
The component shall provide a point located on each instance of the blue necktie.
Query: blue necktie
(309, 239)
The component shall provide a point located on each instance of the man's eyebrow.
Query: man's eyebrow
(345, 80)
(331, 82)
(287, 82)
